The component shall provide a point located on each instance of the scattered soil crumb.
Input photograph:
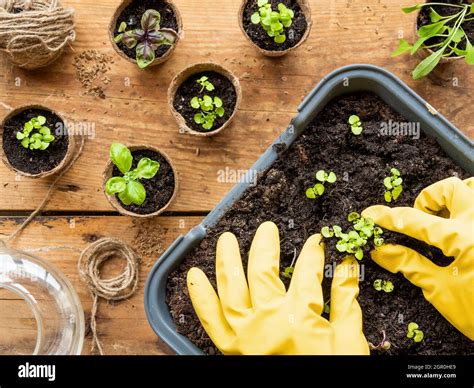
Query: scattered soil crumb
(147, 240)
(91, 67)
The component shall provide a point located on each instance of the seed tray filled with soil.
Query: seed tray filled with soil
(24, 158)
(320, 138)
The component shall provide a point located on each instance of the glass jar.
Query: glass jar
(42, 313)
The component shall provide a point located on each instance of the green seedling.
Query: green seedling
(288, 271)
(393, 186)
(414, 332)
(205, 84)
(454, 42)
(354, 241)
(210, 108)
(356, 125)
(326, 308)
(383, 285)
(128, 187)
(383, 345)
(147, 39)
(35, 135)
(273, 22)
(318, 189)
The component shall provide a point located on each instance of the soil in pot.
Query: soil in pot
(260, 37)
(34, 161)
(446, 10)
(224, 89)
(361, 163)
(132, 16)
(159, 189)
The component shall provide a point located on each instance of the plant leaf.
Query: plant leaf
(136, 192)
(151, 20)
(321, 176)
(332, 177)
(310, 193)
(427, 64)
(403, 47)
(147, 168)
(145, 54)
(469, 52)
(121, 157)
(122, 27)
(280, 39)
(115, 185)
(130, 38)
(255, 18)
(428, 30)
(195, 103)
(434, 16)
(412, 8)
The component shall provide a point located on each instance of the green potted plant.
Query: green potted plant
(444, 33)
(275, 27)
(204, 98)
(35, 141)
(139, 181)
(145, 32)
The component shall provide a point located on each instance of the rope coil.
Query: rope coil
(116, 288)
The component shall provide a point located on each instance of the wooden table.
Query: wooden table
(344, 32)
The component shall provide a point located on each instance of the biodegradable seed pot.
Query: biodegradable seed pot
(146, 32)
(204, 99)
(140, 181)
(35, 141)
(275, 27)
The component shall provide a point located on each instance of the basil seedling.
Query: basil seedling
(35, 135)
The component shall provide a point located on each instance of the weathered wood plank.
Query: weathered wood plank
(344, 32)
(123, 326)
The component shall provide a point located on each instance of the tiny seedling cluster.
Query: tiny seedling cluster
(205, 84)
(356, 124)
(273, 22)
(454, 40)
(210, 108)
(383, 285)
(414, 332)
(393, 185)
(147, 39)
(35, 135)
(127, 187)
(318, 189)
(354, 241)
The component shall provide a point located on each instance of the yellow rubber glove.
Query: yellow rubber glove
(261, 317)
(443, 216)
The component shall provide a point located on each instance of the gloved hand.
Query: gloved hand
(443, 216)
(261, 317)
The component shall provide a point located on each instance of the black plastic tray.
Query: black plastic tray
(347, 79)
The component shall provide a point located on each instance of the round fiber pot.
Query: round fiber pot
(115, 202)
(66, 150)
(305, 8)
(158, 59)
(183, 76)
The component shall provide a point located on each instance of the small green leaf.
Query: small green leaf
(397, 182)
(434, 16)
(469, 51)
(395, 171)
(319, 189)
(412, 8)
(280, 39)
(220, 112)
(48, 138)
(337, 230)
(198, 119)
(332, 177)
(136, 192)
(41, 120)
(115, 185)
(122, 27)
(255, 18)
(147, 168)
(396, 192)
(118, 38)
(359, 255)
(45, 131)
(217, 102)
(387, 182)
(261, 3)
(321, 176)
(195, 103)
(388, 196)
(354, 216)
(20, 135)
(418, 336)
(341, 246)
(327, 232)
(310, 193)
(354, 119)
(427, 65)
(388, 286)
(378, 284)
(25, 142)
(208, 125)
(356, 130)
(403, 47)
(121, 157)
(412, 326)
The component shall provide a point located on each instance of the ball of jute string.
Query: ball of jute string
(33, 33)
(116, 288)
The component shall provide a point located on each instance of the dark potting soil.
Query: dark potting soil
(361, 163)
(224, 89)
(260, 37)
(446, 10)
(159, 189)
(34, 161)
(132, 15)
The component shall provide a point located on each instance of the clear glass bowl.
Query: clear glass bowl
(53, 321)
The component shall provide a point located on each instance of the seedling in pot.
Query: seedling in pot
(35, 135)
(393, 185)
(355, 240)
(383, 285)
(128, 187)
(356, 125)
(414, 332)
(146, 39)
(273, 22)
(210, 108)
(449, 28)
(318, 189)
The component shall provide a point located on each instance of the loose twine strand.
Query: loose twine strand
(34, 32)
(117, 288)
